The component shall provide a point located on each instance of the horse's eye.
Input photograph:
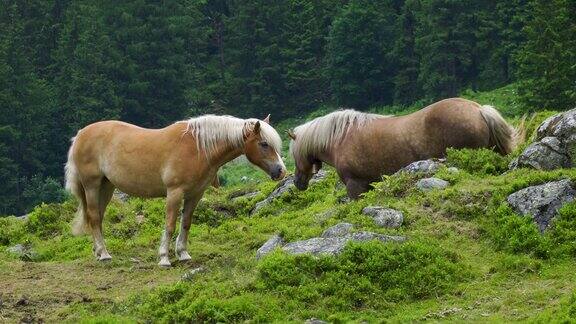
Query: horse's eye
(264, 144)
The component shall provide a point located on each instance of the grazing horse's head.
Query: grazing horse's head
(306, 167)
(262, 147)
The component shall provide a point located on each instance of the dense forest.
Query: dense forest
(65, 64)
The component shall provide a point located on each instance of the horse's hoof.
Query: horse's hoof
(104, 258)
(184, 256)
(164, 263)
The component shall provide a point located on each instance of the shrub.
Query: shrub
(517, 234)
(48, 220)
(562, 234)
(394, 272)
(478, 161)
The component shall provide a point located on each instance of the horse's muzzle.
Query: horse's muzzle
(278, 172)
(300, 183)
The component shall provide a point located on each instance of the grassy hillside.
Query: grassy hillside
(468, 256)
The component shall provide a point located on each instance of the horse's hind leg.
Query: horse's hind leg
(182, 240)
(355, 187)
(93, 191)
(173, 202)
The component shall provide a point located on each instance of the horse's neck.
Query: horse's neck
(326, 156)
(224, 154)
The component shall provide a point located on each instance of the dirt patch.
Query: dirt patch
(38, 292)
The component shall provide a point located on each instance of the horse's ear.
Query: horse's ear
(291, 134)
(256, 129)
(267, 119)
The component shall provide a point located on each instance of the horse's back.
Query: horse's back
(456, 123)
(131, 157)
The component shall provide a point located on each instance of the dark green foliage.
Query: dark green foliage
(478, 161)
(394, 272)
(548, 58)
(359, 53)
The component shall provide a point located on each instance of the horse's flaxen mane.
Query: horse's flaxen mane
(211, 129)
(318, 134)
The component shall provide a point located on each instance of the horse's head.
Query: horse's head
(306, 166)
(262, 147)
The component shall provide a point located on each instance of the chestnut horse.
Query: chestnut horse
(363, 147)
(179, 161)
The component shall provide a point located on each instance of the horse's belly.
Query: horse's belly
(142, 190)
(136, 182)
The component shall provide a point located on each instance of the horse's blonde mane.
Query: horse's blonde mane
(211, 129)
(323, 132)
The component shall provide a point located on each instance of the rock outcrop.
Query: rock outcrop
(269, 246)
(555, 144)
(542, 202)
(332, 241)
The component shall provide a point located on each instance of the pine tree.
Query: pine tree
(360, 65)
(445, 44)
(406, 86)
(548, 59)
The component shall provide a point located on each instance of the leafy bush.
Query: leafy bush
(394, 272)
(47, 221)
(478, 161)
(517, 234)
(562, 234)
(11, 230)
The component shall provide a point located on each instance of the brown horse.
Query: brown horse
(179, 161)
(362, 147)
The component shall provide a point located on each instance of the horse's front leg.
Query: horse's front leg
(182, 240)
(173, 202)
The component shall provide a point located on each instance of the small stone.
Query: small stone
(315, 321)
(269, 246)
(427, 167)
(23, 301)
(338, 230)
(428, 184)
(453, 170)
(189, 275)
(140, 218)
(384, 217)
(119, 195)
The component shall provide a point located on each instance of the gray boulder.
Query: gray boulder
(269, 246)
(22, 251)
(547, 154)
(541, 202)
(338, 230)
(427, 167)
(284, 186)
(554, 146)
(428, 184)
(384, 217)
(335, 245)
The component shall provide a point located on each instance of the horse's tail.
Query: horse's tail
(74, 185)
(503, 136)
